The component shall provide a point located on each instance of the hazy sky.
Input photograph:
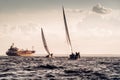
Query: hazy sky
(94, 25)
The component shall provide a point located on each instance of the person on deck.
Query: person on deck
(11, 47)
(77, 55)
(72, 56)
(50, 55)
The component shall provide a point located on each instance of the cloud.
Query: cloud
(93, 25)
(75, 10)
(29, 28)
(101, 9)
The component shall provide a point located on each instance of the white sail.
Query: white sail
(44, 42)
(67, 32)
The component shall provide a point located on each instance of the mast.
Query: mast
(67, 31)
(44, 42)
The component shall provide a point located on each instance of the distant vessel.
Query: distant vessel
(45, 44)
(75, 55)
(14, 51)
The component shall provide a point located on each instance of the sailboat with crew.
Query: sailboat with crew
(50, 55)
(73, 55)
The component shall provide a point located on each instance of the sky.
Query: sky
(94, 26)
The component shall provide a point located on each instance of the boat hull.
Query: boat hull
(20, 53)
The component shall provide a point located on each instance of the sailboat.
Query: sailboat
(45, 44)
(72, 55)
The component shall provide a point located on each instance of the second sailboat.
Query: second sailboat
(75, 55)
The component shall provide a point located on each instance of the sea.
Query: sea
(59, 68)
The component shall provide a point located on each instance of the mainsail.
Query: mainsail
(44, 42)
(67, 32)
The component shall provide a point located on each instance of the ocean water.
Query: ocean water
(59, 68)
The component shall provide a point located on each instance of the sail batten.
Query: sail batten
(44, 42)
(67, 31)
